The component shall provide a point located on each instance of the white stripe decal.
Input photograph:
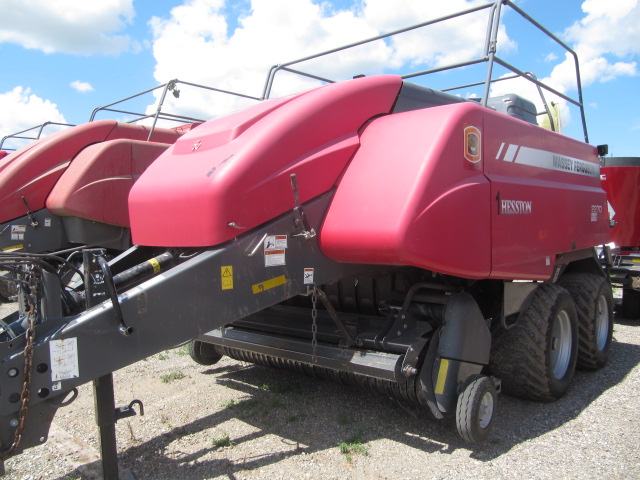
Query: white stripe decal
(499, 151)
(511, 153)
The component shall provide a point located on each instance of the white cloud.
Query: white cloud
(68, 26)
(82, 87)
(606, 40)
(20, 109)
(197, 44)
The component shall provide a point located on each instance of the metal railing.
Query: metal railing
(489, 57)
(159, 114)
(31, 134)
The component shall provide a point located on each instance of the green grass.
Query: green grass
(163, 356)
(229, 403)
(222, 441)
(353, 446)
(170, 377)
(183, 350)
(254, 407)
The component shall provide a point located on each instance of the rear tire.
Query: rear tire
(594, 306)
(476, 409)
(203, 353)
(536, 358)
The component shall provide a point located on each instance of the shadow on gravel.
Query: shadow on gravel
(311, 415)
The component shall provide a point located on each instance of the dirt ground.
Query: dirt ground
(240, 421)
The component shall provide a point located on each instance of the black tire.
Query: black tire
(592, 296)
(536, 358)
(630, 304)
(476, 409)
(203, 353)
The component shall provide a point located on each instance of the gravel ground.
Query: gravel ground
(239, 421)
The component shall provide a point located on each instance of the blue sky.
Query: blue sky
(62, 59)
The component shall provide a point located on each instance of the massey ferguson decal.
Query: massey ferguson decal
(547, 160)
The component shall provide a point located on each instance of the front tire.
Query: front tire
(203, 353)
(536, 358)
(476, 409)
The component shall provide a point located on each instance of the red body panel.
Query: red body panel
(3, 153)
(96, 184)
(621, 184)
(558, 177)
(236, 169)
(409, 197)
(32, 171)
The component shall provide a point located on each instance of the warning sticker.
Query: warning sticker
(64, 359)
(308, 276)
(47, 222)
(274, 258)
(17, 232)
(13, 247)
(226, 277)
(275, 242)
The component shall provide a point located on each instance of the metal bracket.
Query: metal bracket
(334, 316)
(299, 217)
(32, 217)
(128, 410)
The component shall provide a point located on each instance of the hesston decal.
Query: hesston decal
(515, 207)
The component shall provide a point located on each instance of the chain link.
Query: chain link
(314, 326)
(25, 394)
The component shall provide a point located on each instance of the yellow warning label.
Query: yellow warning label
(442, 376)
(14, 247)
(226, 274)
(274, 282)
(155, 264)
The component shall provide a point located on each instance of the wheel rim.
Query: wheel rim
(485, 411)
(560, 344)
(602, 323)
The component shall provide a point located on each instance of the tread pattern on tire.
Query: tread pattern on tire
(585, 289)
(466, 424)
(519, 355)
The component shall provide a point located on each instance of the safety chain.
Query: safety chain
(314, 325)
(25, 395)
